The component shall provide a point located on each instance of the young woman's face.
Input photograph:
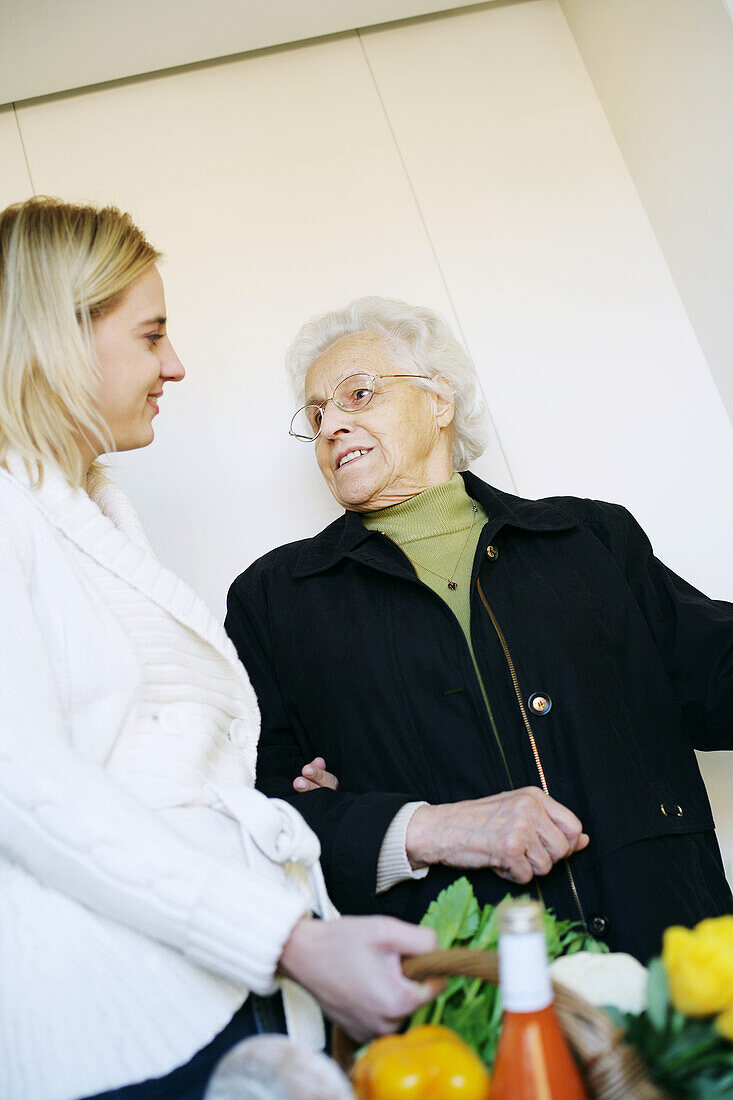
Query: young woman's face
(136, 359)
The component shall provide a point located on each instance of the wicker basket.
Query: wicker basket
(611, 1069)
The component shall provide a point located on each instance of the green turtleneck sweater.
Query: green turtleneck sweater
(438, 530)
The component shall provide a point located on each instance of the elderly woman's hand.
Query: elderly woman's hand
(314, 775)
(518, 834)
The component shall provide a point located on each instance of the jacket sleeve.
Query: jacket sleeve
(693, 634)
(67, 823)
(350, 826)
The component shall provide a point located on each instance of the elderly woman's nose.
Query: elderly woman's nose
(335, 420)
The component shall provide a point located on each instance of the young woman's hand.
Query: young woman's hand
(352, 966)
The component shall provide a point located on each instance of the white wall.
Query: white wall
(48, 47)
(663, 70)
(463, 162)
(596, 379)
(14, 182)
(275, 189)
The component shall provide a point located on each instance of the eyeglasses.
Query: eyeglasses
(352, 395)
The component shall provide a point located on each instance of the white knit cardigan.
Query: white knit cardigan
(127, 937)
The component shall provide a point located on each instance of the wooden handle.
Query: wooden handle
(463, 961)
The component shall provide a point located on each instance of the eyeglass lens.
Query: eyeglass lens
(351, 394)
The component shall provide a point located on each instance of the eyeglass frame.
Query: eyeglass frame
(322, 404)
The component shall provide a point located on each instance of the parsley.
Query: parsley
(470, 1006)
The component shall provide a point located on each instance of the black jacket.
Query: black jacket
(356, 660)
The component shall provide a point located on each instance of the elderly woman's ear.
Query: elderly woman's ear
(445, 405)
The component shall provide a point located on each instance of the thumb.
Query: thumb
(428, 989)
(582, 842)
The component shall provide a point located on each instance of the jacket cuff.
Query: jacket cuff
(240, 926)
(350, 860)
(393, 866)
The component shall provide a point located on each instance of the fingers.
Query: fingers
(301, 784)
(422, 993)
(406, 939)
(540, 857)
(565, 819)
(582, 842)
(429, 989)
(320, 776)
(314, 776)
(531, 833)
(518, 865)
(553, 842)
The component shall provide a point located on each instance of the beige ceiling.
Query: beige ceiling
(50, 46)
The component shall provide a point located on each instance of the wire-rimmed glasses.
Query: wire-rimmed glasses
(352, 394)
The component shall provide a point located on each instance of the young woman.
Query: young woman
(153, 906)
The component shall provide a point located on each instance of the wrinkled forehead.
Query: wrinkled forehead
(363, 352)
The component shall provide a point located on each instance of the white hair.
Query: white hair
(430, 344)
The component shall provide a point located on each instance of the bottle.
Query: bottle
(533, 1061)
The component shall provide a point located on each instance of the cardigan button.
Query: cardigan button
(598, 925)
(540, 702)
(238, 733)
(175, 718)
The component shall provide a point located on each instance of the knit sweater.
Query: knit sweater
(438, 530)
(145, 887)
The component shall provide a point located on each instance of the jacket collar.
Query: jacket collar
(102, 523)
(346, 536)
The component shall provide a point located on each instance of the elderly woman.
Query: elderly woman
(152, 903)
(504, 687)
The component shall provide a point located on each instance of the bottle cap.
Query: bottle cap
(518, 917)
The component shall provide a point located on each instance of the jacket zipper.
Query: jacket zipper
(533, 743)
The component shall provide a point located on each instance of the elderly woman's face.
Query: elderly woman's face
(400, 444)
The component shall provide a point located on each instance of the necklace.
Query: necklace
(452, 585)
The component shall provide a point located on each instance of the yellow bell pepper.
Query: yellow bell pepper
(426, 1063)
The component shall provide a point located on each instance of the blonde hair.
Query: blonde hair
(62, 266)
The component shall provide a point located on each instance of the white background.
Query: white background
(463, 162)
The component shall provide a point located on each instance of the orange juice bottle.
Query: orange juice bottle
(533, 1061)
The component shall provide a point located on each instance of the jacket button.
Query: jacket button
(670, 809)
(492, 552)
(598, 925)
(540, 703)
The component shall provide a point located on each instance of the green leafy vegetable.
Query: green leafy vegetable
(454, 914)
(469, 1006)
